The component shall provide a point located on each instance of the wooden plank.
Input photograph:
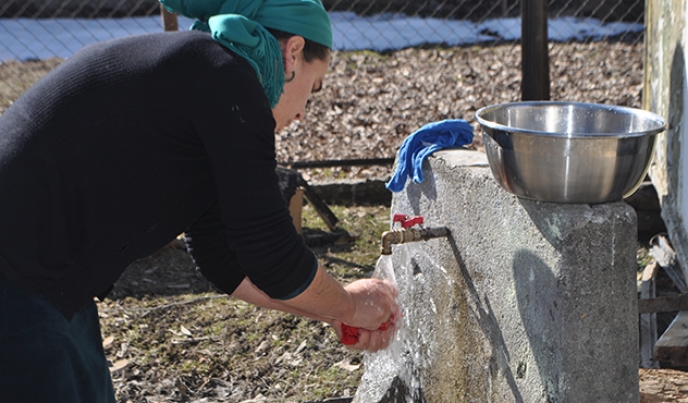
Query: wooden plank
(296, 208)
(663, 304)
(334, 400)
(320, 207)
(648, 320)
(322, 238)
(672, 347)
(169, 20)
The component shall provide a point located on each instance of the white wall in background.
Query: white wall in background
(666, 93)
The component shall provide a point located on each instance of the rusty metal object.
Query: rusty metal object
(406, 235)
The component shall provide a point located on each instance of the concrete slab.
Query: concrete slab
(524, 302)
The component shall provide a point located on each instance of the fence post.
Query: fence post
(169, 20)
(534, 57)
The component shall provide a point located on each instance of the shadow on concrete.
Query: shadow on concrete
(489, 326)
(536, 287)
(414, 193)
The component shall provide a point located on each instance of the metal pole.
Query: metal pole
(535, 60)
(169, 20)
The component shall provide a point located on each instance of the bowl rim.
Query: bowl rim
(625, 109)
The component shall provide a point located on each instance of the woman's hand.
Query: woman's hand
(375, 318)
(363, 304)
(375, 303)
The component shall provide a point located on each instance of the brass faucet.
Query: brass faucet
(406, 235)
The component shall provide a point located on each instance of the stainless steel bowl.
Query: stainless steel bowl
(566, 152)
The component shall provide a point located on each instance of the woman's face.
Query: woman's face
(308, 78)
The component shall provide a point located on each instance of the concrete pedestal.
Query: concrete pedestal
(524, 302)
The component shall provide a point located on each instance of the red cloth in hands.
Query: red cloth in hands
(350, 333)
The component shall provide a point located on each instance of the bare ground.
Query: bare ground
(171, 337)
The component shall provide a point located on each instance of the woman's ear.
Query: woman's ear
(292, 50)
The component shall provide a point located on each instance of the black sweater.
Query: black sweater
(126, 145)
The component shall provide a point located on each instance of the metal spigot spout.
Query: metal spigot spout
(406, 235)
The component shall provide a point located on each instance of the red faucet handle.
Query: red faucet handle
(407, 221)
(412, 221)
(399, 217)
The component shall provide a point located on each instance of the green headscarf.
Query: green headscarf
(240, 25)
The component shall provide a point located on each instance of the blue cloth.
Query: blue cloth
(425, 141)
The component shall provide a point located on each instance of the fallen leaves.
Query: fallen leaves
(346, 366)
(372, 102)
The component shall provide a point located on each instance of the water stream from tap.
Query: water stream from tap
(394, 374)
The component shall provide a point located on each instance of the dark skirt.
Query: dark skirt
(43, 357)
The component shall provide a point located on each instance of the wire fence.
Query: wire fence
(45, 31)
(475, 10)
(38, 29)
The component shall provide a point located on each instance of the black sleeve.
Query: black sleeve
(207, 244)
(234, 121)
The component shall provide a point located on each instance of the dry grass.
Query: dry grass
(171, 337)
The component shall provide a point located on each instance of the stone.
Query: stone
(523, 302)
